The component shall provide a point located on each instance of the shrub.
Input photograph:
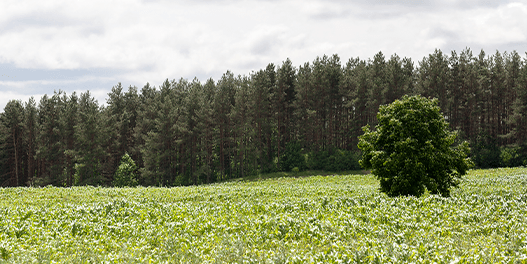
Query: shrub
(292, 157)
(410, 149)
(485, 151)
(512, 156)
(126, 173)
(337, 160)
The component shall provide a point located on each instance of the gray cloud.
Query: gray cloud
(262, 47)
(387, 9)
(444, 34)
(328, 13)
(468, 4)
(49, 19)
(24, 21)
(265, 41)
(135, 42)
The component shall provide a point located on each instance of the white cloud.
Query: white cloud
(6, 96)
(149, 41)
(23, 90)
(478, 27)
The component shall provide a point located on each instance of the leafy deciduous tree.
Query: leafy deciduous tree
(410, 149)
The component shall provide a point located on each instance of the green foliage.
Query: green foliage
(292, 157)
(126, 172)
(88, 138)
(319, 219)
(410, 149)
(513, 156)
(183, 133)
(336, 160)
(11, 143)
(486, 152)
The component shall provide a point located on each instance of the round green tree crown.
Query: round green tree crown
(411, 150)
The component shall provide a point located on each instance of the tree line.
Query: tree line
(280, 118)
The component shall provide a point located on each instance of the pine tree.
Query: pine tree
(433, 76)
(163, 164)
(282, 104)
(50, 147)
(68, 121)
(513, 65)
(223, 104)
(243, 131)
(206, 127)
(5, 174)
(379, 84)
(12, 131)
(30, 138)
(399, 77)
(519, 118)
(121, 114)
(193, 107)
(305, 107)
(116, 141)
(355, 87)
(261, 85)
(498, 92)
(89, 152)
(484, 96)
(146, 114)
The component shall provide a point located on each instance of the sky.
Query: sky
(93, 45)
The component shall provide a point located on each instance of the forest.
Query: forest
(280, 118)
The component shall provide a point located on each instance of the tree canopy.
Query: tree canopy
(277, 118)
(411, 150)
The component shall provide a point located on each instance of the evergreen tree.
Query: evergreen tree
(30, 138)
(243, 130)
(282, 103)
(89, 152)
(433, 76)
(223, 104)
(355, 87)
(306, 108)
(519, 118)
(206, 127)
(146, 114)
(116, 127)
(462, 93)
(160, 152)
(498, 94)
(193, 106)
(513, 65)
(50, 147)
(121, 114)
(12, 131)
(399, 78)
(68, 121)
(188, 132)
(379, 84)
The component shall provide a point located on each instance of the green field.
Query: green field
(324, 219)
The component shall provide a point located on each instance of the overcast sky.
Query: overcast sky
(93, 45)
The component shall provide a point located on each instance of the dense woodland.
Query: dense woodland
(280, 118)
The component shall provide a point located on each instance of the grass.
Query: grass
(307, 173)
(324, 219)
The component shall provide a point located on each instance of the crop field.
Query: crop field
(319, 219)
